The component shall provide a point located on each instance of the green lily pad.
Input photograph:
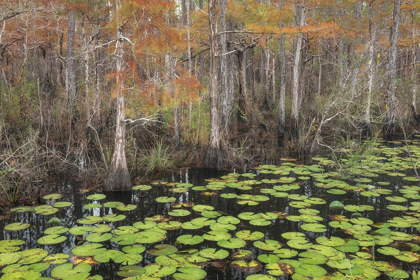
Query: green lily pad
(114, 218)
(158, 271)
(268, 258)
(145, 225)
(134, 249)
(98, 237)
(165, 199)
(128, 259)
(90, 220)
(189, 239)
(389, 251)
(202, 208)
(9, 258)
(67, 270)
(45, 210)
(286, 253)
(310, 270)
(312, 227)
(336, 205)
(8, 246)
(162, 250)
(54, 221)
(96, 196)
(190, 273)
(214, 254)
(56, 230)
(249, 236)
(58, 258)
(16, 226)
(216, 235)
(267, 245)
(131, 271)
(88, 250)
(149, 236)
(51, 239)
(179, 213)
(106, 256)
(113, 204)
(142, 187)
(128, 207)
(32, 256)
(62, 204)
(232, 243)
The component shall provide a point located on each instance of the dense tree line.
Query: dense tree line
(110, 80)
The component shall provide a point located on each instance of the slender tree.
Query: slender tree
(390, 120)
(282, 72)
(296, 81)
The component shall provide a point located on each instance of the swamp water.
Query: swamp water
(289, 221)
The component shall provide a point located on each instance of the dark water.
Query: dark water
(147, 207)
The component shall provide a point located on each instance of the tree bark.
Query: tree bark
(414, 66)
(86, 66)
(390, 120)
(243, 98)
(226, 77)
(170, 66)
(70, 69)
(118, 177)
(215, 150)
(294, 117)
(366, 125)
(282, 97)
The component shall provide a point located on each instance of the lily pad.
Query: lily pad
(16, 226)
(66, 270)
(96, 196)
(131, 271)
(162, 250)
(214, 254)
(232, 243)
(51, 239)
(190, 273)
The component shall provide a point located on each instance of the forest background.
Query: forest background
(108, 90)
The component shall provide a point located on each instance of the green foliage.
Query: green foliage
(157, 158)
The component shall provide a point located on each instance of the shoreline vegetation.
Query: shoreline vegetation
(115, 91)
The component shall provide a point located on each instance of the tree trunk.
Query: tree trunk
(390, 120)
(282, 98)
(118, 177)
(414, 66)
(294, 117)
(215, 150)
(243, 98)
(170, 66)
(226, 78)
(86, 66)
(366, 125)
(71, 74)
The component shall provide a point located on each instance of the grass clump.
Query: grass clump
(156, 159)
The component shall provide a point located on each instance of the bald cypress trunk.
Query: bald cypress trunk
(282, 98)
(215, 150)
(118, 177)
(366, 126)
(71, 74)
(294, 117)
(390, 120)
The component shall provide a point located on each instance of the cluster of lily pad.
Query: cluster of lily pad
(346, 243)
